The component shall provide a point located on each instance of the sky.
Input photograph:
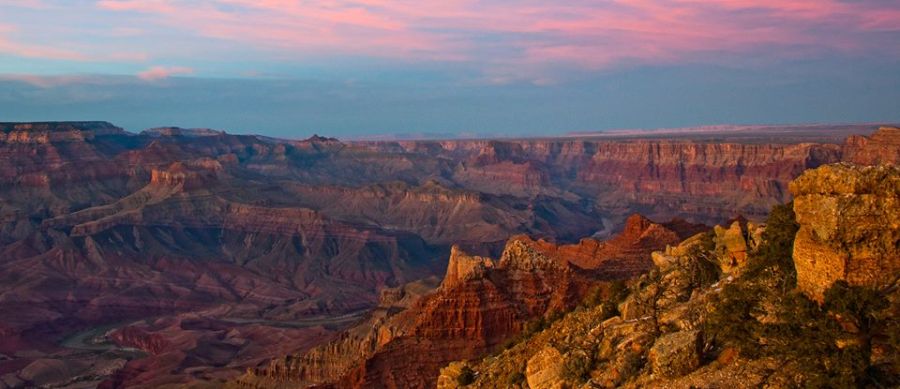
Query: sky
(365, 68)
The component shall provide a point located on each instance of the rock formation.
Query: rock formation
(882, 147)
(688, 324)
(849, 228)
(479, 304)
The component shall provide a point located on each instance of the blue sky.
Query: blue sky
(474, 68)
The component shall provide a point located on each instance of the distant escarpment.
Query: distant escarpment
(699, 180)
(480, 303)
(882, 147)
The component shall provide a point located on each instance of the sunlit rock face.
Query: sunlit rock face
(849, 229)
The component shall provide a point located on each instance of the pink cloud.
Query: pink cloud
(61, 51)
(51, 81)
(12, 47)
(162, 72)
(504, 40)
(583, 33)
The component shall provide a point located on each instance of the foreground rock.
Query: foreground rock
(693, 322)
(849, 227)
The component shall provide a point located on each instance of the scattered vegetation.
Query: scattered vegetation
(829, 346)
(851, 340)
(608, 296)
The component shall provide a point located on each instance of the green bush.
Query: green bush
(777, 249)
(830, 346)
(593, 297)
(731, 322)
(607, 296)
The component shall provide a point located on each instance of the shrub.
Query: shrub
(828, 346)
(593, 297)
(466, 376)
(703, 266)
(777, 249)
(731, 320)
(607, 296)
(618, 291)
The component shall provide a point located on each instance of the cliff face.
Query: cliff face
(882, 147)
(707, 182)
(480, 303)
(848, 227)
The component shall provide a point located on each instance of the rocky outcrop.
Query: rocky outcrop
(545, 369)
(52, 132)
(462, 268)
(848, 227)
(480, 303)
(735, 243)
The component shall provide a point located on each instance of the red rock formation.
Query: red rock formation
(882, 147)
(480, 303)
(623, 256)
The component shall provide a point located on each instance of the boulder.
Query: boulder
(545, 369)
(675, 354)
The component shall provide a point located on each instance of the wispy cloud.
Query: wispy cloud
(13, 47)
(54, 81)
(162, 72)
(502, 40)
(530, 35)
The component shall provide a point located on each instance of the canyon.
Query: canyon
(812, 303)
(194, 255)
